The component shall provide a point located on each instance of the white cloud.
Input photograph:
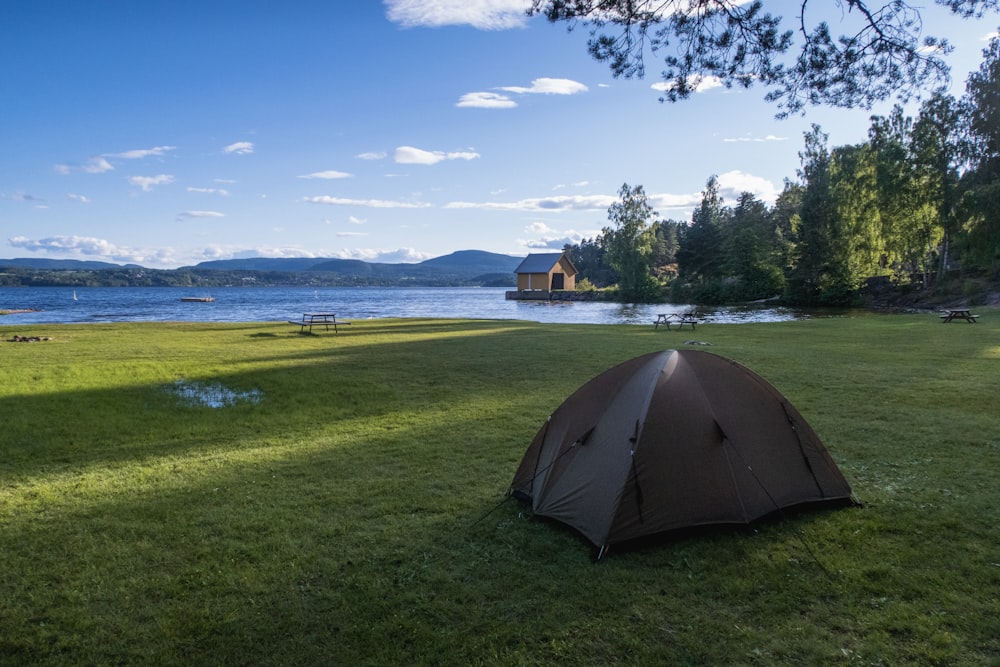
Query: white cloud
(700, 84)
(147, 182)
(95, 165)
(734, 183)
(411, 155)
(211, 191)
(542, 86)
(200, 214)
(94, 248)
(550, 204)
(80, 198)
(330, 174)
(99, 163)
(540, 228)
(217, 252)
(80, 244)
(356, 221)
(141, 153)
(548, 243)
(548, 86)
(936, 49)
(659, 202)
(552, 239)
(370, 203)
(667, 202)
(578, 184)
(239, 148)
(485, 101)
(398, 256)
(481, 14)
(374, 155)
(749, 139)
(350, 234)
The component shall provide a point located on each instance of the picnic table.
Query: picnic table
(325, 320)
(680, 319)
(959, 314)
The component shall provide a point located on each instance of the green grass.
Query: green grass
(356, 514)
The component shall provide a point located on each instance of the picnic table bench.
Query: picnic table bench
(959, 314)
(680, 319)
(325, 320)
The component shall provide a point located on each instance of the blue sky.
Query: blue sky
(169, 133)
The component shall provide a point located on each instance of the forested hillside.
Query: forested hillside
(462, 268)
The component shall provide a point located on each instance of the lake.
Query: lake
(57, 305)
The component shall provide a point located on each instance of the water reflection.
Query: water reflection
(213, 395)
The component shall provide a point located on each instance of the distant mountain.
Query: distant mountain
(63, 264)
(475, 261)
(354, 267)
(258, 264)
(471, 262)
(465, 267)
(463, 262)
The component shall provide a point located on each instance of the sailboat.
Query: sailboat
(74, 296)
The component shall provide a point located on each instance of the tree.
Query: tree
(785, 213)
(857, 243)
(935, 149)
(629, 244)
(589, 259)
(882, 53)
(700, 254)
(664, 261)
(752, 250)
(812, 229)
(898, 196)
(981, 196)
(917, 178)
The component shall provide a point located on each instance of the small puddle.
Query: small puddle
(213, 395)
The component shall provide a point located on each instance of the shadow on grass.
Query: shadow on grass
(385, 558)
(374, 373)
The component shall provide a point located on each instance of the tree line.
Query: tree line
(915, 203)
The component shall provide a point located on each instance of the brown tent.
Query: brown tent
(669, 440)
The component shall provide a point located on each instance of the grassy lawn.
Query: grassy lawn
(346, 505)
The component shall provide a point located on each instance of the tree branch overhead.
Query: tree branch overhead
(881, 54)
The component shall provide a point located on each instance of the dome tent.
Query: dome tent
(670, 440)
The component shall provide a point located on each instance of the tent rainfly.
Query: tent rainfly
(669, 440)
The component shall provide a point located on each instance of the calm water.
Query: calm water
(265, 304)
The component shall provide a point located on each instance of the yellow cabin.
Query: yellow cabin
(546, 271)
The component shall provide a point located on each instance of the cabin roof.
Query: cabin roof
(540, 262)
